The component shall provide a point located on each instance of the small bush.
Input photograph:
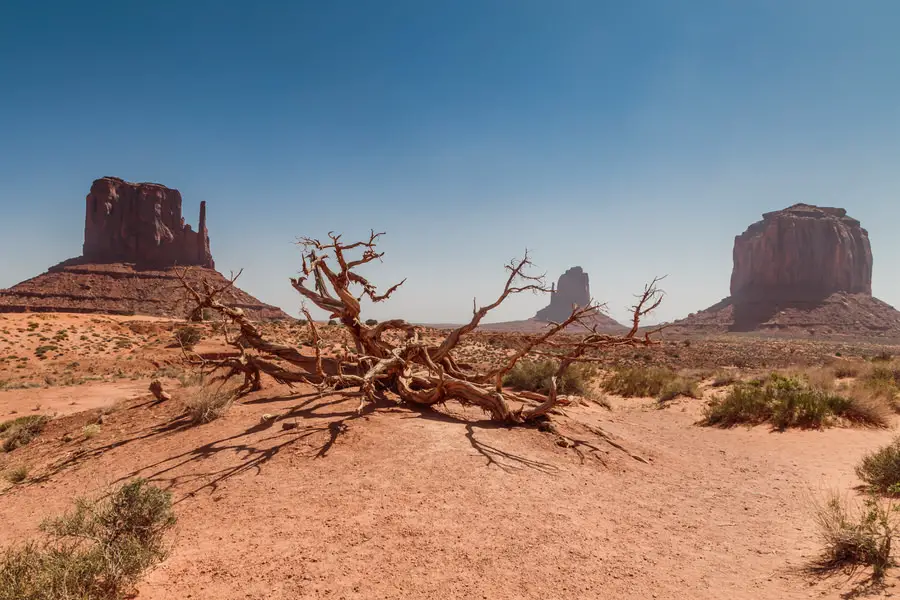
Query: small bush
(881, 469)
(188, 336)
(371, 322)
(534, 376)
(846, 370)
(17, 475)
(679, 387)
(792, 402)
(210, 403)
(19, 432)
(332, 322)
(855, 539)
(639, 382)
(89, 431)
(724, 377)
(96, 552)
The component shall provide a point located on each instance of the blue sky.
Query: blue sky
(634, 139)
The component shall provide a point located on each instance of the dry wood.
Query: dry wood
(415, 371)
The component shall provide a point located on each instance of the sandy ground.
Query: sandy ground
(401, 504)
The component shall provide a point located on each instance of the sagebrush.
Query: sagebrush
(96, 552)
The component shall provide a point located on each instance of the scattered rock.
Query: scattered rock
(156, 389)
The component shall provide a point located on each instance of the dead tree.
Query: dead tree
(392, 358)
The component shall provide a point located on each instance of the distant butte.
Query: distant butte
(134, 237)
(572, 289)
(802, 269)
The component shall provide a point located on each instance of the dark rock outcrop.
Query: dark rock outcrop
(134, 236)
(800, 253)
(805, 270)
(142, 223)
(572, 289)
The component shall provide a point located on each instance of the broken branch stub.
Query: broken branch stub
(416, 371)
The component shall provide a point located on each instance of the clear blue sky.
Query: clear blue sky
(632, 138)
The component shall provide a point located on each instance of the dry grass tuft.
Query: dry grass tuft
(855, 538)
(210, 403)
(19, 432)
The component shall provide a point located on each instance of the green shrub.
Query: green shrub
(96, 552)
(855, 539)
(188, 336)
(639, 382)
(881, 469)
(792, 402)
(19, 432)
(371, 322)
(534, 376)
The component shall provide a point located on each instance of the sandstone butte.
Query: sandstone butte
(805, 268)
(571, 289)
(134, 237)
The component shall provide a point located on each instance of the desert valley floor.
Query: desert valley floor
(398, 503)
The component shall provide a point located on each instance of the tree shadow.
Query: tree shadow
(252, 456)
(494, 456)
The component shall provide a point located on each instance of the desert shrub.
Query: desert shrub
(188, 336)
(19, 432)
(724, 377)
(90, 430)
(17, 474)
(371, 322)
(96, 552)
(680, 386)
(210, 403)
(638, 382)
(878, 375)
(792, 402)
(535, 376)
(881, 469)
(855, 539)
(845, 370)
(332, 322)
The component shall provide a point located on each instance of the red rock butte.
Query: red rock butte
(134, 238)
(802, 269)
(142, 223)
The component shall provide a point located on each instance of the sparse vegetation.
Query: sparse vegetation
(787, 401)
(725, 377)
(17, 475)
(855, 538)
(90, 430)
(679, 387)
(19, 432)
(96, 552)
(534, 376)
(210, 403)
(881, 469)
(188, 336)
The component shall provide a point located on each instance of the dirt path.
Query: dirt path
(407, 505)
(68, 399)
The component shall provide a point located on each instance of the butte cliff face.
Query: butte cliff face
(802, 270)
(572, 289)
(142, 223)
(134, 236)
(802, 252)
